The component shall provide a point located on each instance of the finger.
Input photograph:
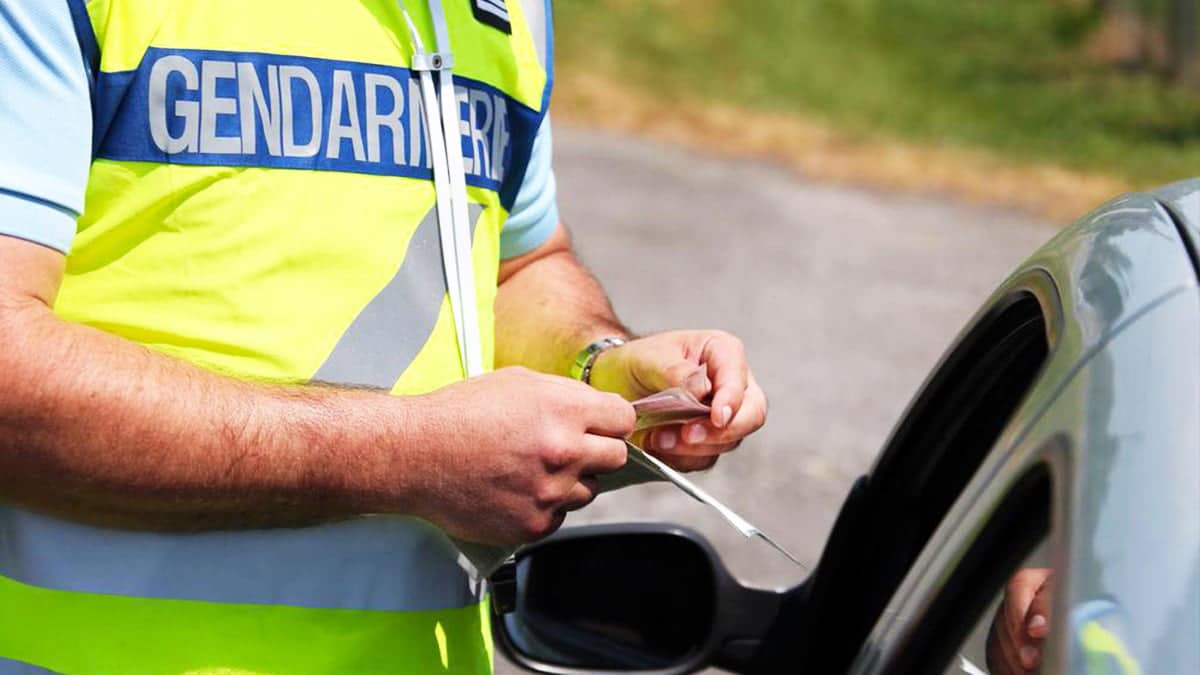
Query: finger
(592, 483)
(653, 376)
(556, 522)
(662, 439)
(1037, 623)
(601, 454)
(688, 462)
(580, 495)
(600, 411)
(668, 440)
(671, 440)
(1030, 656)
(725, 359)
(645, 437)
(1018, 596)
(660, 362)
(750, 418)
(610, 415)
(1022, 652)
(688, 375)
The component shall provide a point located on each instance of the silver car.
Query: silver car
(1058, 439)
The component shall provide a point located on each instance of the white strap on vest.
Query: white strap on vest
(450, 182)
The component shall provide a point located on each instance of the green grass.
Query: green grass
(1000, 75)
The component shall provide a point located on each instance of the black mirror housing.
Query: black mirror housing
(647, 597)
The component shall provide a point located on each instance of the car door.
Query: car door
(958, 441)
(1102, 498)
(1109, 420)
(966, 408)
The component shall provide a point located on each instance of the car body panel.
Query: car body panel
(1135, 522)
(1124, 270)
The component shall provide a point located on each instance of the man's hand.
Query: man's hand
(548, 306)
(711, 365)
(513, 451)
(1014, 643)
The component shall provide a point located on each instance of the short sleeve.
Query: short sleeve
(534, 215)
(45, 123)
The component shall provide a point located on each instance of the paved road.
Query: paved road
(844, 297)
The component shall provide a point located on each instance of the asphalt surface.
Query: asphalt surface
(845, 299)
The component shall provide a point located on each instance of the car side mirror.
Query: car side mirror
(645, 597)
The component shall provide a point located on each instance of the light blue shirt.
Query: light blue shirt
(45, 123)
(535, 210)
(46, 137)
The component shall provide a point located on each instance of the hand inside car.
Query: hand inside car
(712, 366)
(1014, 643)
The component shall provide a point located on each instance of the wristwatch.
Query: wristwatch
(581, 368)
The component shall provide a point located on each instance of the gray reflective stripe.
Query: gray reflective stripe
(386, 563)
(535, 16)
(388, 333)
(378, 563)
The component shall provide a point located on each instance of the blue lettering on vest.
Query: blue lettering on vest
(265, 110)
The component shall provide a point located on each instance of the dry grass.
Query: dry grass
(821, 152)
(1126, 40)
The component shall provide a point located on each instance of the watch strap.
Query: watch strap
(581, 367)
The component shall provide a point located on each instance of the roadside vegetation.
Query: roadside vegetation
(1050, 85)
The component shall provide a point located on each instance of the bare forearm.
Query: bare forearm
(550, 308)
(96, 428)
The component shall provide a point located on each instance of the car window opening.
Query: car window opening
(1019, 525)
(890, 514)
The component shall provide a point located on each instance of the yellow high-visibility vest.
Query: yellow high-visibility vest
(261, 204)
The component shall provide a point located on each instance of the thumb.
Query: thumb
(688, 376)
(1019, 596)
(656, 365)
(1038, 617)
